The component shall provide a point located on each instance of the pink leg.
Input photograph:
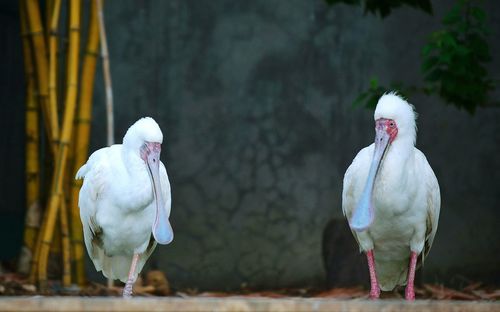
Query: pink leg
(127, 290)
(410, 291)
(374, 289)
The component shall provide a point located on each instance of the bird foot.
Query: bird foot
(127, 290)
(375, 293)
(409, 294)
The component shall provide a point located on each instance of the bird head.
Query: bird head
(145, 138)
(396, 117)
(394, 124)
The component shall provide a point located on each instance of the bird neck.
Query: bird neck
(402, 146)
(137, 180)
(132, 161)
(395, 163)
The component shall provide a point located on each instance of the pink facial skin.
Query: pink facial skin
(389, 125)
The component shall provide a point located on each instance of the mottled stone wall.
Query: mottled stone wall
(254, 101)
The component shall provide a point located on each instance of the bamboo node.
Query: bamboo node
(35, 33)
(92, 53)
(83, 120)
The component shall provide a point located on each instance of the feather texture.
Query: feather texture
(117, 205)
(406, 197)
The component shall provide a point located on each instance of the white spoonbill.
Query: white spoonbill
(125, 203)
(391, 199)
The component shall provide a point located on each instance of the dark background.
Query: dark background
(254, 100)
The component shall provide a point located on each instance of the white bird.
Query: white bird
(391, 198)
(125, 203)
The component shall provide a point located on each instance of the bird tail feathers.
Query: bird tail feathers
(80, 174)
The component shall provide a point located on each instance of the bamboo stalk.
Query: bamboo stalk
(38, 44)
(32, 219)
(53, 13)
(32, 13)
(62, 151)
(36, 253)
(82, 131)
(107, 75)
(107, 84)
(65, 244)
(63, 236)
(49, 8)
(54, 22)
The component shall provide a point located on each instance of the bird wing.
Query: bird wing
(433, 197)
(348, 200)
(94, 173)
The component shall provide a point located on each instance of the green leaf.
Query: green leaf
(427, 49)
(429, 63)
(478, 14)
(454, 58)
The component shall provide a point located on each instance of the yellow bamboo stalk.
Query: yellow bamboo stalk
(49, 9)
(82, 134)
(32, 13)
(65, 244)
(107, 84)
(39, 48)
(64, 222)
(36, 254)
(54, 22)
(62, 151)
(53, 13)
(52, 16)
(32, 219)
(61, 234)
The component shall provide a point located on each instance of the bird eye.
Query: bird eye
(391, 124)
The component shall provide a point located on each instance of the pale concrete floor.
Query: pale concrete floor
(235, 304)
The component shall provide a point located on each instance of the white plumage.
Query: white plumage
(122, 212)
(398, 202)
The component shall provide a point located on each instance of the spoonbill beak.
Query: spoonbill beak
(162, 231)
(364, 213)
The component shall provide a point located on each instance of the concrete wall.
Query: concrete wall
(254, 101)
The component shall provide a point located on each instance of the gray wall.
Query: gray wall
(254, 101)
